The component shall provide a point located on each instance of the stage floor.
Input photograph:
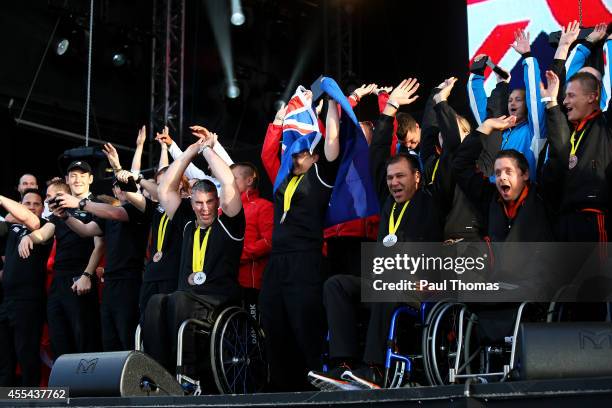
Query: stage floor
(592, 392)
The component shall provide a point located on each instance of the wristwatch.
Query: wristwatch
(83, 203)
(89, 275)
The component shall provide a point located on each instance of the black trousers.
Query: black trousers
(164, 316)
(21, 324)
(343, 255)
(342, 299)
(119, 313)
(291, 308)
(74, 321)
(582, 226)
(150, 289)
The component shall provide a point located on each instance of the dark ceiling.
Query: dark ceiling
(390, 40)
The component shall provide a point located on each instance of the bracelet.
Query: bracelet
(354, 95)
(204, 148)
(393, 104)
(117, 169)
(546, 99)
(89, 275)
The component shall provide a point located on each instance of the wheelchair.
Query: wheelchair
(233, 346)
(454, 345)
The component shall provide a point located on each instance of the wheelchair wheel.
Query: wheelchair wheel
(426, 341)
(237, 353)
(444, 342)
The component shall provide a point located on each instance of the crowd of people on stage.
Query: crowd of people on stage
(532, 165)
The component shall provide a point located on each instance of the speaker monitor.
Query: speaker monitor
(564, 350)
(113, 374)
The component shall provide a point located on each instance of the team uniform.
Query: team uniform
(290, 299)
(527, 137)
(161, 269)
(74, 321)
(213, 283)
(22, 311)
(125, 252)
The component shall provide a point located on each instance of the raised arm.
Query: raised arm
(606, 91)
(569, 34)
(191, 172)
(136, 199)
(230, 201)
(164, 161)
(476, 93)
(102, 210)
(558, 130)
(113, 156)
(536, 110)
(168, 189)
(475, 184)
(429, 129)
(403, 94)
(332, 132)
(446, 117)
(270, 157)
(20, 213)
(137, 159)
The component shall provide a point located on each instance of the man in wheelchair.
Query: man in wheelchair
(211, 243)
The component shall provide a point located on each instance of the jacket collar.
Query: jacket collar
(248, 196)
(511, 208)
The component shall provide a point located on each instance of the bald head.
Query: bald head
(591, 71)
(27, 182)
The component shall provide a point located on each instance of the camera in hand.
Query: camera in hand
(129, 187)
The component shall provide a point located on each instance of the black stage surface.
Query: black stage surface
(594, 392)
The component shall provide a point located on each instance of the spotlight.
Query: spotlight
(119, 59)
(233, 91)
(62, 46)
(278, 104)
(237, 17)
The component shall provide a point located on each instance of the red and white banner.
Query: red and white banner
(491, 24)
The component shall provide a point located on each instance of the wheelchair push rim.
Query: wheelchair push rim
(237, 352)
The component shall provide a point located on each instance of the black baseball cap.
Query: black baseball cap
(80, 165)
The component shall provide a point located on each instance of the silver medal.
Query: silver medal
(573, 160)
(390, 240)
(196, 278)
(283, 217)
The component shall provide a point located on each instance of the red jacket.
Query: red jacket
(360, 228)
(259, 214)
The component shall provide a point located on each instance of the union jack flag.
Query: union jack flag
(300, 132)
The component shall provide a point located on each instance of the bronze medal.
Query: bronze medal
(158, 256)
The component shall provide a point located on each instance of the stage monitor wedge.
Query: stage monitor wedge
(112, 374)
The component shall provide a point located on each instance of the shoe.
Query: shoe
(331, 381)
(366, 378)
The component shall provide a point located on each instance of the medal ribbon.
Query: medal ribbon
(161, 231)
(572, 141)
(435, 170)
(582, 124)
(291, 187)
(393, 226)
(199, 250)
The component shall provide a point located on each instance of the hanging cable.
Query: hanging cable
(580, 12)
(88, 98)
(40, 64)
